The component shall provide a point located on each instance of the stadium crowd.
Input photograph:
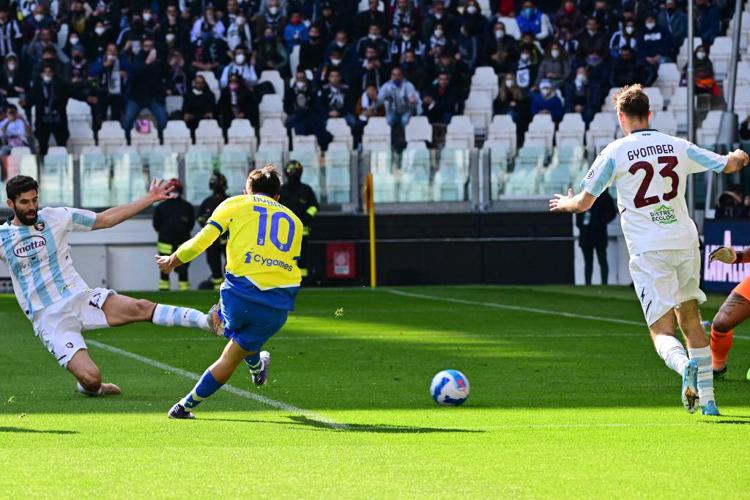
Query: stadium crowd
(397, 58)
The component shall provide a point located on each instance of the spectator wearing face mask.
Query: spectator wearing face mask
(599, 69)
(606, 16)
(438, 42)
(372, 16)
(237, 102)
(404, 12)
(502, 50)
(652, 41)
(208, 51)
(49, 97)
(569, 18)
(299, 100)
(400, 98)
(703, 73)
(95, 41)
(375, 41)
(36, 22)
(473, 19)
(626, 70)
(238, 33)
(674, 21)
(707, 21)
(581, 96)
(51, 56)
(295, 32)
(176, 30)
(532, 20)
(438, 16)
(145, 88)
(240, 65)
(346, 50)
(555, 66)
(13, 81)
(407, 41)
(336, 62)
(312, 53)
(512, 100)
(456, 68)
(270, 17)
(546, 101)
(272, 55)
(79, 66)
(329, 22)
(593, 39)
(109, 71)
(441, 101)
(626, 36)
(198, 104)
(526, 70)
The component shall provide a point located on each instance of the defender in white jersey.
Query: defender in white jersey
(650, 171)
(54, 296)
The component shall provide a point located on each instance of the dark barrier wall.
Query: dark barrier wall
(414, 249)
(718, 277)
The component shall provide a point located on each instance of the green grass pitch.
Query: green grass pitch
(568, 399)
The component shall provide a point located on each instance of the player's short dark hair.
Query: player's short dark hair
(265, 180)
(632, 101)
(20, 184)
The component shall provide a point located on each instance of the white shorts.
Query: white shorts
(664, 279)
(59, 326)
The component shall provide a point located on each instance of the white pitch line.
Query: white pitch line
(280, 405)
(536, 310)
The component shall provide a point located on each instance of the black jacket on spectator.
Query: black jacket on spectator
(145, 81)
(238, 105)
(198, 105)
(444, 102)
(335, 99)
(364, 19)
(50, 100)
(174, 220)
(626, 72)
(601, 213)
(311, 55)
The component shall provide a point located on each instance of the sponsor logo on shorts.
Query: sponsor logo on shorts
(663, 215)
(30, 246)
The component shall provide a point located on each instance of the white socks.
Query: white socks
(180, 316)
(702, 356)
(673, 353)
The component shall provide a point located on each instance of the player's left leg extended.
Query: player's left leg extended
(123, 310)
(211, 381)
(734, 311)
(689, 319)
(89, 378)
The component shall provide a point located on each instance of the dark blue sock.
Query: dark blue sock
(205, 387)
(253, 362)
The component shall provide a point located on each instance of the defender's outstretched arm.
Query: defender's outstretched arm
(157, 191)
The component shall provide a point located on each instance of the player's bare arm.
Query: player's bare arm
(158, 190)
(736, 161)
(572, 203)
(189, 250)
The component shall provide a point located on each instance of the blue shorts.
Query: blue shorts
(248, 323)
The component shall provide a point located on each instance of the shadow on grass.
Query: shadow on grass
(300, 420)
(21, 430)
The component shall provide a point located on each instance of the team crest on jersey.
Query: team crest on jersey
(28, 247)
(663, 215)
(39, 226)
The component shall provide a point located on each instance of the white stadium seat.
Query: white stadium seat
(460, 133)
(177, 136)
(111, 137)
(340, 131)
(209, 135)
(273, 135)
(242, 133)
(377, 134)
(418, 131)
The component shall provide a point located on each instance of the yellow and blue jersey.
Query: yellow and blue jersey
(263, 248)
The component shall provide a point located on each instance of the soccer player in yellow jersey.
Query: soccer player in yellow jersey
(262, 279)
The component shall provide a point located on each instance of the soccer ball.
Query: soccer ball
(449, 388)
